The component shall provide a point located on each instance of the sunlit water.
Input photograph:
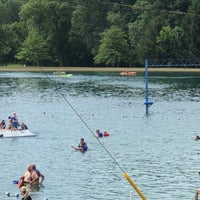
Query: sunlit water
(158, 150)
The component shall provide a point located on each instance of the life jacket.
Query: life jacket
(20, 183)
(105, 134)
(100, 134)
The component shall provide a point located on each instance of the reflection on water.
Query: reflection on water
(176, 88)
(158, 151)
(171, 88)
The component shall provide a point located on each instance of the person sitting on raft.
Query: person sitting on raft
(3, 124)
(23, 126)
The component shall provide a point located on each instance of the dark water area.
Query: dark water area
(157, 150)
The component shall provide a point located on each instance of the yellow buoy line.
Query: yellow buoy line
(83, 121)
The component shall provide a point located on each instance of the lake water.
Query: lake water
(157, 150)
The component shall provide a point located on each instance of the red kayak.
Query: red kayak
(128, 73)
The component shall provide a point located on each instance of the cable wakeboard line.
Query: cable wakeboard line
(57, 89)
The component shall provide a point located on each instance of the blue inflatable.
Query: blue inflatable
(16, 181)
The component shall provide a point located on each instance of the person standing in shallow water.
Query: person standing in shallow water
(82, 146)
(36, 176)
(23, 126)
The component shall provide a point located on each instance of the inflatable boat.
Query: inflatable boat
(127, 73)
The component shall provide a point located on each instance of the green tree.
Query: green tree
(5, 49)
(137, 28)
(9, 29)
(34, 49)
(88, 22)
(114, 48)
(9, 42)
(170, 42)
(74, 32)
(191, 27)
(52, 20)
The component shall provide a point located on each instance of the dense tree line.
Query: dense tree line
(98, 32)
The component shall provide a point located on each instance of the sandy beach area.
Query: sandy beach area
(94, 69)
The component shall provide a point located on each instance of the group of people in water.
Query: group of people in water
(13, 123)
(32, 177)
(82, 146)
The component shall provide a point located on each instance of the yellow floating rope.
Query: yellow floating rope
(134, 186)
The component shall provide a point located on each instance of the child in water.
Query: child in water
(99, 134)
(21, 182)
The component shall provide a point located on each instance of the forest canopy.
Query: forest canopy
(98, 32)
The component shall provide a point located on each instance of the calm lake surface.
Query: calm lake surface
(157, 150)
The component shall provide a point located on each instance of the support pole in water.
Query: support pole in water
(134, 186)
(130, 195)
(147, 103)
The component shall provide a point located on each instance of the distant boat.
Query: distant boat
(127, 73)
(58, 73)
(62, 74)
(8, 133)
(65, 75)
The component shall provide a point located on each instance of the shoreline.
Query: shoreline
(94, 69)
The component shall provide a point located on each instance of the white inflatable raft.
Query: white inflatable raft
(7, 133)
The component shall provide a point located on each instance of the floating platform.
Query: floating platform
(7, 133)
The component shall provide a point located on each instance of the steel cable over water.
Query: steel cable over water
(84, 122)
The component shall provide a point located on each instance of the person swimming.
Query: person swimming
(197, 137)
(3, 124)
(98, 134)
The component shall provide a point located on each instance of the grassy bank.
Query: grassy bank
(19, 68)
